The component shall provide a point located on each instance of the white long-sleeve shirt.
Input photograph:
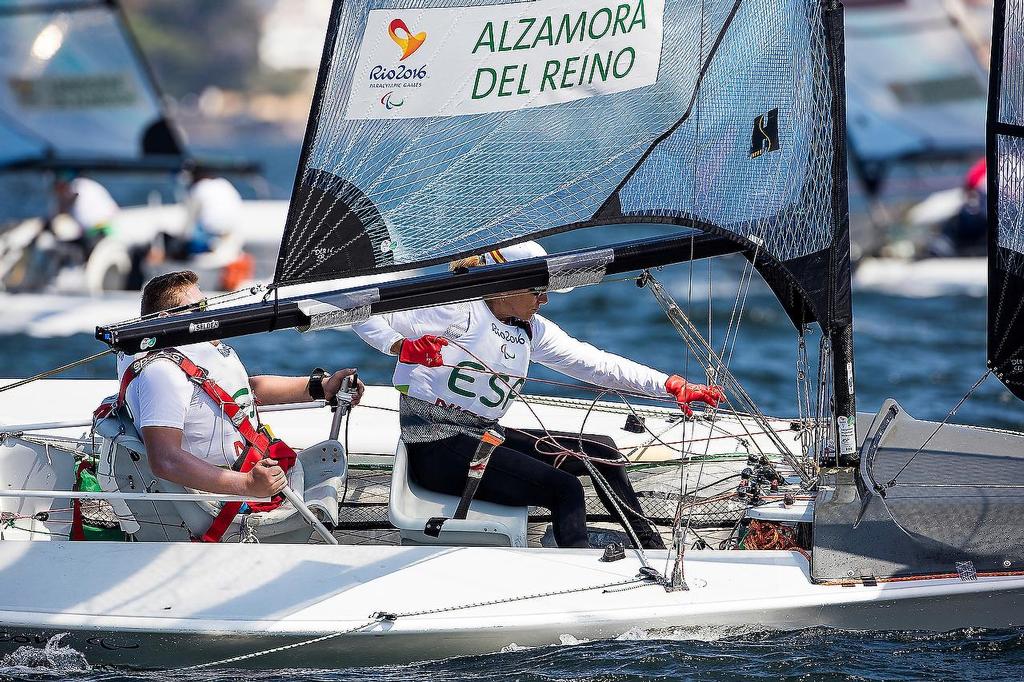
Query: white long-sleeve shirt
(482, 346)
(215, 205)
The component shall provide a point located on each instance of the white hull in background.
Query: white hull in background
(925, 278)
(259, 232)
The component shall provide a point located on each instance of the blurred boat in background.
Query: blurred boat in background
(82, 99)
(917, 83)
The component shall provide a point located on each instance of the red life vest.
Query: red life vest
(259, 442)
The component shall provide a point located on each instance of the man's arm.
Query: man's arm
(278, 390)
(169, 462)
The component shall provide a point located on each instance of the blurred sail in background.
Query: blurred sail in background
(916, 91)
(75, 91)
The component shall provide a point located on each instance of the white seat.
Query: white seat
(410, 506)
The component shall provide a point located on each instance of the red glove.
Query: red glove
(424, 351)
(689, 393)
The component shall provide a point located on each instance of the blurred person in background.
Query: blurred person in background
(214, 211)
(966, 233)
(90, 207)
(80, 218)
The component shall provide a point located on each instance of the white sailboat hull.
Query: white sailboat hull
(923, 278)
(174, 604)
(184, 604)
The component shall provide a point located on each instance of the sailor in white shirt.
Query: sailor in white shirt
(89, 205)
(453, 391)
(215, 209)
(189, 439)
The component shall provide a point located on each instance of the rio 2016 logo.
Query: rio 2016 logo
(390, 102)
(406, 40)
(402, 73)
(399, 76)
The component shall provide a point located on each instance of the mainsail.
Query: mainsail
(75, 92)
(445, 129)
(1006, 197)
(916, 86)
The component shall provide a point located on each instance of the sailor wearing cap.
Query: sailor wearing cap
(461, 365)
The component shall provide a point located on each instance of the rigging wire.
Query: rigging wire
(823, 424)
(679, 535)
(55, 371)
(684, 326)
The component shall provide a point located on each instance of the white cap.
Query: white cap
(514, 252)
(521, 251)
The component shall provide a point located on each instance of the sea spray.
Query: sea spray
(53, 658)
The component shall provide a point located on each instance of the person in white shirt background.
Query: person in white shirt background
(214, 210)
(461, 365)
(90, 207)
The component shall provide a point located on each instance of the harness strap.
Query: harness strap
(200, 377)
(258, 443)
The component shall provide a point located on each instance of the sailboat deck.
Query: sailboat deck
(712, 518)
(717, 451)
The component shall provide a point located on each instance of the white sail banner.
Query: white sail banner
(471, 60)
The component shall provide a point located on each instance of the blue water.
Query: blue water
(815, 654)
(927, 353)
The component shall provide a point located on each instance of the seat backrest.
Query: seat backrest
(124, 466)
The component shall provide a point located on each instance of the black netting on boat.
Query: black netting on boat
(364, 504)
(363, 514)
(99, 513)
(714, 111)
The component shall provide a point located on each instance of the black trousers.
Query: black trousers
(518, 475)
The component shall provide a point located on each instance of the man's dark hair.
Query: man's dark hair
(165, 291)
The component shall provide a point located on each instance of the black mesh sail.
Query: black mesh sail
(444, 128)
(1006, 197)
(73, 88)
